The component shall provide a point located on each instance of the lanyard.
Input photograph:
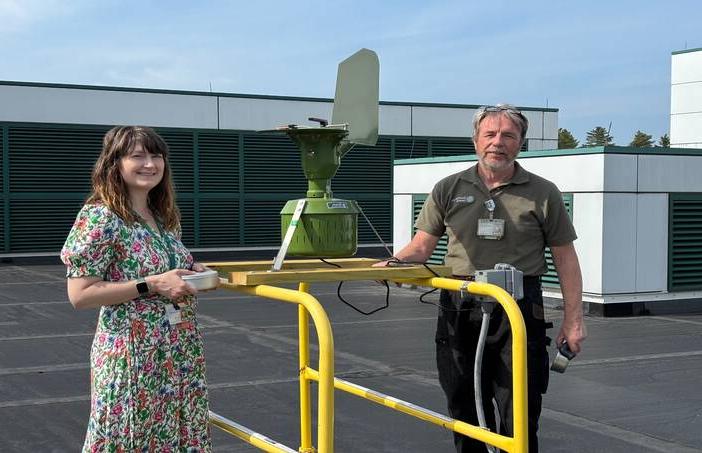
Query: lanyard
(165, 240)
(169, 247)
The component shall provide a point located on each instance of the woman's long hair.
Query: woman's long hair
(109, 187)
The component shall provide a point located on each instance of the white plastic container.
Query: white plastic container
(202, 280)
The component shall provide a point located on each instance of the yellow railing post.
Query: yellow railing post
(519, 366)
(304, 363)
(325, 404)
(308, 306)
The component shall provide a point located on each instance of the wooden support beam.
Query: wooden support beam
(250, 273)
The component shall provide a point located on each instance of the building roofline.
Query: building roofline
(242, 95)
(677, 52)
(563, 152)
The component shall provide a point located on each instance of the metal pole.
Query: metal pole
(305, 399)
(325, 406)
(519, 366)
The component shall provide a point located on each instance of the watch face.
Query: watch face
(142, 287)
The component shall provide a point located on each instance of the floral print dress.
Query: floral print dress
(148, 390)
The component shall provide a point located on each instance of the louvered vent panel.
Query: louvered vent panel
(53, 159)
(379, 212)
(3, 247)
(180, 144)
(437, 257)
(365, 169)
(411, 148)
(272, 165)
(685, 247)
(451, 146)
(2, 163)
(262, 222)
(219, 162)
(219, 223)
(41, 225)
(187, 222)
(550, 278)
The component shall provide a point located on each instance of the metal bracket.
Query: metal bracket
(278, 262)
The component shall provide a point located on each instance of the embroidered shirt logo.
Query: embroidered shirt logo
(467, 200)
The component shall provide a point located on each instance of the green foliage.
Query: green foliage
(664, 141)
(599, 136)
(641, 140)
(566, 139)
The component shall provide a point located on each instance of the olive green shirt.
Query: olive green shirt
(532, 208)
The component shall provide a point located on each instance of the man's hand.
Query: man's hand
(574, 332)
(573, 327)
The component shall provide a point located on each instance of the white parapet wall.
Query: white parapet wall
(686, 99)
(78, 104)
(620, 210)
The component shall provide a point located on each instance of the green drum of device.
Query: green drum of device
(328, 228)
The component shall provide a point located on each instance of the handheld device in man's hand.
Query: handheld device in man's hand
(563, 357)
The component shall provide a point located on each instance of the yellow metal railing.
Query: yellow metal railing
(308, 307)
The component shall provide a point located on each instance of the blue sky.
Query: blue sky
(597, 61)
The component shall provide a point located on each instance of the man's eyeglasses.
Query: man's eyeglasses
(500, 108)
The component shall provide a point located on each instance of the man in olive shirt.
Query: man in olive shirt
(497, 212)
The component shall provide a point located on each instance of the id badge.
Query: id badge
(491, 228)
(174, 316)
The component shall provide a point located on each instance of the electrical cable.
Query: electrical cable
(393, 259)
(477, 370)
(423, 295)
(375, 231)
(367, 313)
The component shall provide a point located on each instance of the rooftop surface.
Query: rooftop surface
(634, 388)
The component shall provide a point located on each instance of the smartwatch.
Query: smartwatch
(142, 287)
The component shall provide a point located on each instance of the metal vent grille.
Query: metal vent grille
(41, 225)
(550, 278)
(187, 222)
(180, 144)
(219, 162)
(272, 165)
(262, 222)
(685, 242)
(4, 242)
(53, 159)
(3, 133)
(451, 147)
(380, 216)
(219, 222)
(437, 257)
(365, 169)
(411, 148)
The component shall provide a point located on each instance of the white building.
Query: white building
(686, 99)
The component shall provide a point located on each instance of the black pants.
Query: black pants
(456, 339)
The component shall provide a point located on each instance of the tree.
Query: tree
(599, 136)
(664, 141)
(566, 139)
(641, 140)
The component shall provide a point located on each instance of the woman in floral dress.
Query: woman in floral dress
(124, 255)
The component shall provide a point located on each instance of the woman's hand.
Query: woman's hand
(170, 285)
(199, 267)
